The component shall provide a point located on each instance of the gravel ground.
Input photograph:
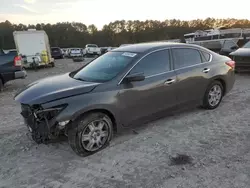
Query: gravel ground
(218, 143)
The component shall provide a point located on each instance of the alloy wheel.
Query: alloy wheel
(95, 135)
(215, 95)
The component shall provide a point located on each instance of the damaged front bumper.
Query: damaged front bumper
(42, 123)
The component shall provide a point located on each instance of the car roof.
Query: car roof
(151, 46)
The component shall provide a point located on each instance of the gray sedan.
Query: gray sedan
(123, 86)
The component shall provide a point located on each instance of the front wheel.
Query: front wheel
(213, 95)
(90, 134)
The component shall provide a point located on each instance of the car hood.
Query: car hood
(241, 52)
(53, 88)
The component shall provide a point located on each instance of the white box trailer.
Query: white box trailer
(34, 47)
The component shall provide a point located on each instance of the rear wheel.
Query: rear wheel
(90, 134)
(52, 64)
(213, 95)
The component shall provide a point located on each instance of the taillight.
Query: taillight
(231, 64)
(18, 61)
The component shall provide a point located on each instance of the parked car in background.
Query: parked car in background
(64, 50)
(242, 58)
(10, 67)
(120, 88)
(111, 48)
(57, 53)
(227, 47)
(92, 49)
(104, 50)
(76, 52)
(67, 53)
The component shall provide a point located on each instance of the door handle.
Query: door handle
(206, 70)
(169, 81)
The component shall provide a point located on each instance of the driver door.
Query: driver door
(155, 93)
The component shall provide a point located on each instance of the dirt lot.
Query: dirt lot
(217, 141)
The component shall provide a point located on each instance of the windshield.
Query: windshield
(106, 67)
(247, 45)
(92, 46)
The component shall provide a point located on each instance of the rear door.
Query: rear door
(192, 68)
(155, 93)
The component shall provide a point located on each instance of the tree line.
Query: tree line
(77, 34)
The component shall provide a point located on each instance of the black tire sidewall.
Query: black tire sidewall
(206, 100)
(77, 126)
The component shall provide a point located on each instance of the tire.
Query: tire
(207, 104)
(52, 64)
(1, 85)
(83, 126)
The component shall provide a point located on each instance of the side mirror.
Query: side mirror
(135, 77)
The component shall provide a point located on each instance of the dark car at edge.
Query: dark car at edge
(121, 88)
(242, 58)
(57, 53)
(10, 67)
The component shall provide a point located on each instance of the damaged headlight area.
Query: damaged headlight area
(42, 122)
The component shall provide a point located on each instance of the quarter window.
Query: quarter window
(206, 56)
(155, 63)
(184, 57)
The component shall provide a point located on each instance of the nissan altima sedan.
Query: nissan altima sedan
(124, 85)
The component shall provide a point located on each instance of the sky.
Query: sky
(101, 12)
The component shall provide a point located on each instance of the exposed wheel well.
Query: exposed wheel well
(108, 113)
(223, 84)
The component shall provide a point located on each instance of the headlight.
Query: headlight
(50, 112)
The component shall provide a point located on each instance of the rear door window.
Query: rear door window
(185, 57)
(155, 63)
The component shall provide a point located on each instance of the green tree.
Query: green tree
(77, 34)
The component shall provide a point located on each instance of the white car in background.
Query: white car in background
(64, 51)
(92, 49)
(75, 52)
